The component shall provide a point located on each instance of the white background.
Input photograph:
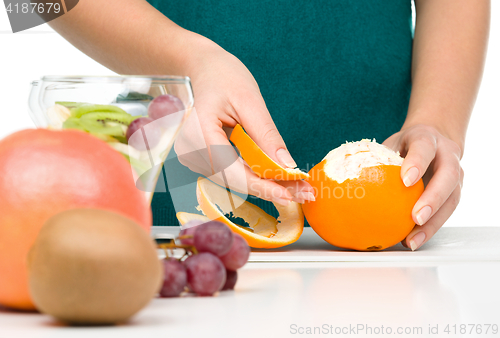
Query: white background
(28, 55)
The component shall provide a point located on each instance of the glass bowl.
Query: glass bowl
(108, 107)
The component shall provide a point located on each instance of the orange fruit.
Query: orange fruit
(361, 201)
(44, 173)
(261, 164)
(264, 231)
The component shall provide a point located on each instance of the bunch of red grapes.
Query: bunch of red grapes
(214, 253)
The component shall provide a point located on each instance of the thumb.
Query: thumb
(259, 125)
(393, 142)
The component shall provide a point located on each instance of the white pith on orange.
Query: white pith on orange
(260, 163)
(264, 230)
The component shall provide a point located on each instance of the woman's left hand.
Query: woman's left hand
(436, 159)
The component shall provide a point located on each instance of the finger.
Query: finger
(446, 178)
(191, 147)
(268, 190)
(421, 234)
(241, 179)
(257, 121)
(421, 151)
(392, 142)
(461, 182)
(237, 176)
(300, 190)
(220, 151)
(249, 183)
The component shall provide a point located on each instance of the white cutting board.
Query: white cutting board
(450, 244)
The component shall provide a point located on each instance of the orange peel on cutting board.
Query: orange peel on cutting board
(260, 163)
(264, 231)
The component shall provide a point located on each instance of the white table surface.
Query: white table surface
(453, 280)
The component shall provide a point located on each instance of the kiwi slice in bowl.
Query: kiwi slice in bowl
(70, 105)
(122, 119)
(111, 124)
(72, 123)
(85, 109)
(107, 126)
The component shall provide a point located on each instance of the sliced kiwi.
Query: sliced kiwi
(70, 105)
(106, 126)
(72, 123)
(111, 124)
(108, 138)
(122, 119)
(85, 109)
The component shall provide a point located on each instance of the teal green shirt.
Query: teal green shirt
(330, 71)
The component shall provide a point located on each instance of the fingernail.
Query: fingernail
(308, 196)
(417, 240)
(423, 215)
(285, 158)
(306, 187)
(282, 201)
(411, 176)
(298, 200)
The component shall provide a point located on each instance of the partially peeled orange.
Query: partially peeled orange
(361, 201)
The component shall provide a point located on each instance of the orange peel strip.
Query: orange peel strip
(265, 231)
(260, 163)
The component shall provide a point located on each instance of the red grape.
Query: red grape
(164, 105)
(237, 255)
(175, 278)
(151, 130)
(205, 273)
(231, 278)
(214, 237)
(188, 229)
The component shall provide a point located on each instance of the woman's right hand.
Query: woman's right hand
(138, 39)
(226, 94)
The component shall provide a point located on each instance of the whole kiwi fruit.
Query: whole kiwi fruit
(91, 266)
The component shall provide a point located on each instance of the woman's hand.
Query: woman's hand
(226, 94)
(435, 158)
(225, 91)
(442, 96)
